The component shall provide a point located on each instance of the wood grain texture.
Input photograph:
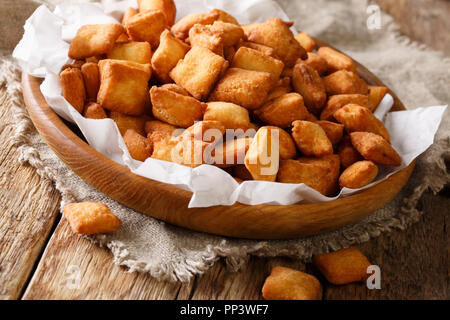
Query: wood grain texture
(168, 203)
(25, 221)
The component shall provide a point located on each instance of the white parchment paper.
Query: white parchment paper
(43, 51)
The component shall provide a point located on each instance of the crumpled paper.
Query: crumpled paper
(43, 51)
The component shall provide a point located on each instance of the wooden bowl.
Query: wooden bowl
(170, 204)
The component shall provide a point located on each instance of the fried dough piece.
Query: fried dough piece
(210, 131)
(343, 266)
(268, 51)
(286, 144)
(94, 111)
(336, 102)
(94, 39)
(140, 52)
(166, 6)
(376, 94)
(73, 89)
(316, 62)
(288, 284)
(374, 148)
(358, 175)
(306, 41)
(262, 158)
(309, 84)
(282, 111)
(175, 109)
(199, 71)
(90, 218)
(202, 36)
(159, 126)
(246, 88)
(329, 185)
(347, 153)
(170, 51)
(139, 147)
(127, 15)
(182, 27)
(224, 16)
(311, 139)
(344, 82)
(249, 59)
(357, 118)
(125, 122)
(147, 26)
(230, 32)
(123, 86)
(334, 131)
(91, 77)
(282, 87)
(231, 152)
(230, 115)
(275, 33)
(336, 61)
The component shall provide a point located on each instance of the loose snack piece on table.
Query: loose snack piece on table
(288, 284)
(182, 27)
(343, 266)
(336, 102)
(345, 82)
(94, 111)
(357, 118)
(374, 148)
(125, 122)
(94, 40)
(73, 89)
(358, 175)
(123, 86)
(230, 115)
(139, 147)
(91, 77)
(282, 111)
(198, 71)
(90, 218)
(311, 139)
(169, 52)
(316, 62)
(140, 52)
(166, 6)
(246, 88)
(147, 26)
(376, 94)
(336, 61)
(309, 84)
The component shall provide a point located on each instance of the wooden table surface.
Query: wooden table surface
(39, 253)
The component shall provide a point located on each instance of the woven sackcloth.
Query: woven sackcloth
(419, 75)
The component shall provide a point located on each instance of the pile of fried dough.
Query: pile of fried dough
(254, 100)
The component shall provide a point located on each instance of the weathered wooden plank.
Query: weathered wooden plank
(28, 210)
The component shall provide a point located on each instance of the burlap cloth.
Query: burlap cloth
(417, 74)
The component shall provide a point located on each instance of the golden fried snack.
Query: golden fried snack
(123, 37)
(90, 218)
(125, 122)
(286, 144)
(336, 102)
(230, 32)
(358, 175)
(231, 152)
(282, 111)
(228, 53)
(165, 146)
(374, 148)
(202, 36)
(334, 131)
(310, 117)
(357, 118)
(191, 153)
(275, 33)
(73, 89)
(147, 26)
(210, 131)
(230, 115)
(94, 111)
(139, 147)
(330, 164)
(344, 82)
(376, 94)
(311, 139)
(91, 77)
(94, 39)
(306, 41)
(336, 61)
(309, 84)
(127, 15)
(249, 59)
(343, 266)
(170, 51)
(224, 16)
(242, 172)
(175, 88)
(288, 284)
(166, 6)
(288, 72)
(316, 62)
(140, 52)
(76, 64)
(268, 51)
(246, 88)
(123, 86)
(198, 71)
(347, 153)
(175, 109)
(262, 158)
(282, 87)
(159, 126)
(182, 27)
